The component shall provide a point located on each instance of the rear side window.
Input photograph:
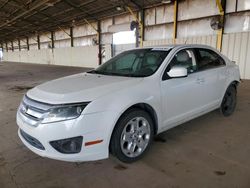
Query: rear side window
(207, 59)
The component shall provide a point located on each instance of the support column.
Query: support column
(141, 25)
(71, 37)
(6, 44)
(142, 28)
(99, 42)
(38, 42)
(98, 31)
(19, 45)
(175, 21)
(52, 40)
(28, 45)
(12, 46)
(221, 6)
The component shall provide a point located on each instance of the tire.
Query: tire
(132, 136)
(229, 101)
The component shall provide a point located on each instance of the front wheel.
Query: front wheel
(229, 101)
(132, 135)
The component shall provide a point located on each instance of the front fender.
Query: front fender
(118, 102)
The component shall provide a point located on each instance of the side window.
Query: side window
(207, 59)
(183, 58)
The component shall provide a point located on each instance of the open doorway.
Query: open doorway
(123, 40)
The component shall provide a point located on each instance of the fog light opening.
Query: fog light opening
(68, 146)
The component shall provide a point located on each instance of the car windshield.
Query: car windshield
(134, 63)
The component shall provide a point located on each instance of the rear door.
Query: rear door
(211, 68)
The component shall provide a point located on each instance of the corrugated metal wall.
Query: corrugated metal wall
(207, 40)
(236, 46)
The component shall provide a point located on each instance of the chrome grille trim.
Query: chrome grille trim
(36, 105)
(32, 112)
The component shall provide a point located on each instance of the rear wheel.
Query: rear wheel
(229, 101)
(132, 135)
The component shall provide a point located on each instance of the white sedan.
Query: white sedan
(120, 106)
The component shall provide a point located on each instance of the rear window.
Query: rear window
(207, 59)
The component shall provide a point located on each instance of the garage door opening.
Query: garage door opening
(123, 40)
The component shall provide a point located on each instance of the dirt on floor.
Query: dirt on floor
(210, 151)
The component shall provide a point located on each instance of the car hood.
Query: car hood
(81, 87)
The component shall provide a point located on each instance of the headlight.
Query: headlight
(62, 113)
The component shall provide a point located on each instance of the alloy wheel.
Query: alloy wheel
(135, 137)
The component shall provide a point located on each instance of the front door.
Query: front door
(181, 97)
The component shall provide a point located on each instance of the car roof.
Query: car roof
(171, 46)
(176, 47)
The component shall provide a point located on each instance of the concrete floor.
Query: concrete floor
(211, 151)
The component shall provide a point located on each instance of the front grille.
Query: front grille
(32, 112)
(31, 140)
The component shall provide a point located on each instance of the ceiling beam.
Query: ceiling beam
(42, 2)
(138, 5)
(79, 9)
(43, 21)
(4, 4)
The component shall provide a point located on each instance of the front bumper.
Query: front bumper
(96, 126)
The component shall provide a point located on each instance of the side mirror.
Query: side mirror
(177, 72)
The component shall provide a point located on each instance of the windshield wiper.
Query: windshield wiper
(92, 71)
(104, 73)
(95, 72)
(135, 75)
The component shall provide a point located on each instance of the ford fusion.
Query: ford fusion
(119, 107)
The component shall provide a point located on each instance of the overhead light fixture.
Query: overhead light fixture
(73, 22)
(118, 8)
(166, 1)
(8, 23)
(50, 4)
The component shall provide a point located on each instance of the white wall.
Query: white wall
(236, 46)
(85, 56)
